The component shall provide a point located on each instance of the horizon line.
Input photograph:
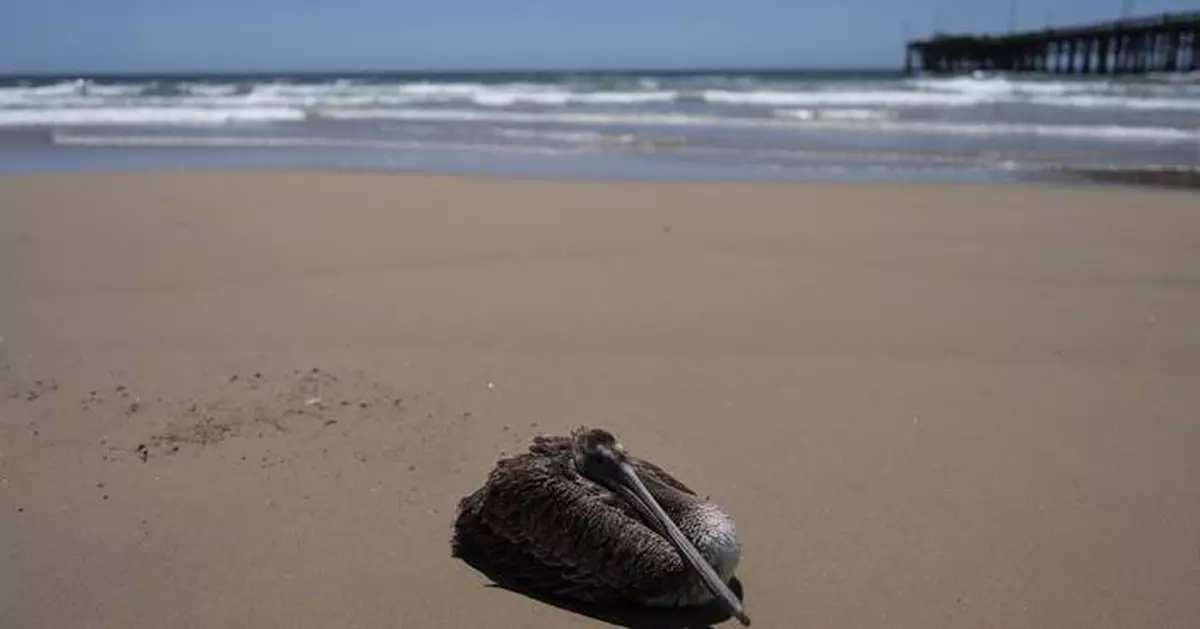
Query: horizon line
(18, 75)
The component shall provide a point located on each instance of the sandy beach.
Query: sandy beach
(253, 400)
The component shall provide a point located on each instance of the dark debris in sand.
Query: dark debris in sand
(34, 391)
(261, 407)
(248, 406)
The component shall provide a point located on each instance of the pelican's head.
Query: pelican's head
(598, 454)
(601, 458)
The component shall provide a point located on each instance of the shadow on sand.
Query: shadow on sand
(630, 616)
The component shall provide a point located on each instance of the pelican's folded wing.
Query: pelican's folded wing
(574, 536)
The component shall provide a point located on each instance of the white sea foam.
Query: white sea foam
(233, 141)
(785, 119)
(1000, 86)
(442, 90)
(358, 107)
(835, 114)
(1080, 93)
(968, 92)
(328, 94)
(587, 137)
(1082, 132)
(581, 137)
(627, 98)
(849, 98)
(487, 115)
(56, 89)
(66, 92)
(509, 95)
(111, 91)
(743, 91)
(1099, 101)
(144, 116)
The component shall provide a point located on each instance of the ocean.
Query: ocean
(652, 125)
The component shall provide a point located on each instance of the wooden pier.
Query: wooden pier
(1164, 43)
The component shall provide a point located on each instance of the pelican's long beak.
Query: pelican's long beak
(640, 497)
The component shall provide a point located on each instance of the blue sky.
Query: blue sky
(233, 35)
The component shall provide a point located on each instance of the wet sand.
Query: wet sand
(253, 400)
(1183, 178)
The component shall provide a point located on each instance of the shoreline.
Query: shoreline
(1048, 178)
(1183, 179)
(32, 152)
(1150, 176)
(1080, 180)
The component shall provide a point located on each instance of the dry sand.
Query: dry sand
(253, 400)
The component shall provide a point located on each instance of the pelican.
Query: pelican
(577, 517)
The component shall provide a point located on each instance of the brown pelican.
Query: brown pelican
(579, 518)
